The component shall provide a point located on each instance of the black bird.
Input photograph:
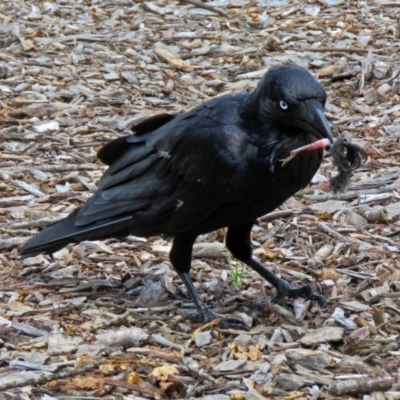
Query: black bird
(217, 165)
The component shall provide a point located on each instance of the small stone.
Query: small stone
(381, 69)
(203, 338)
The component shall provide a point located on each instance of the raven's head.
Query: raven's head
(291, 100)
(286, 112)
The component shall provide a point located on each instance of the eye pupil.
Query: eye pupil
(283, 105)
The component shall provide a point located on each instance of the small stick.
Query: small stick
(210, 324)
(309, 147)
(200, 4)
(338, 49)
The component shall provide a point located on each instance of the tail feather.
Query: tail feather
(58, 235)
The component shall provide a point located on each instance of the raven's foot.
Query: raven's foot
(225, 323)
(306, 291)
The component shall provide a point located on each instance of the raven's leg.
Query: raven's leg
(239, 244)
(181, 257)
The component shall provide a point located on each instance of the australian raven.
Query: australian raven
(217, 165)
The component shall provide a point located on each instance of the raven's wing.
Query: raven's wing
(172, 178)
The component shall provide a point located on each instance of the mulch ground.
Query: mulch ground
(110, 319)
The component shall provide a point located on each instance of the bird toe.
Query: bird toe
(232, 323)
(305, 292)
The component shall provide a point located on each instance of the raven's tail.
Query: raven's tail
(58, 235)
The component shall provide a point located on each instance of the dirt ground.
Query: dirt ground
(110, 319)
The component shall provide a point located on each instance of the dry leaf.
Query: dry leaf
(327, 273)
(254, 353)
(378, 317)
(86, 383)
(273, 255)
(115, 365)
(133, 378)
(163, 373)
(27, 44)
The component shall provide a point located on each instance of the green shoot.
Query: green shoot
(237, 271)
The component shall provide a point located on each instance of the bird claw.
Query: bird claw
(225, 323)
(305, 291)
(232, 323)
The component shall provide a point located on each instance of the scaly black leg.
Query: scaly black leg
(181, 257)
(238, 243)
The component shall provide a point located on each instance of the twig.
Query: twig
(211, 324)
(200, 4)
(380, 238)
(164, 342)
(338, 49)
(48, 168)
(121, 319)
(6, 244)
(42, 379)
(367, 64)
(197, 372)
(361, 386)
(153, 354)
(28, 188)
(276, 215)
(39, 223)
(353, 194)
(331, 232)
(390, 4)
(127, 385)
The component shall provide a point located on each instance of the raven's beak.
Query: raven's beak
(322, 124)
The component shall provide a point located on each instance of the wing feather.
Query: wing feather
(166, 178)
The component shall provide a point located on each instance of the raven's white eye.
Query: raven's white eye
(283, 105)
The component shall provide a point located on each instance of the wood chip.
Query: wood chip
(322, 335)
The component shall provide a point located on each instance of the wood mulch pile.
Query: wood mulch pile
(109, 319)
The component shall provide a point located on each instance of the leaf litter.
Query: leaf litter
(74, 75)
